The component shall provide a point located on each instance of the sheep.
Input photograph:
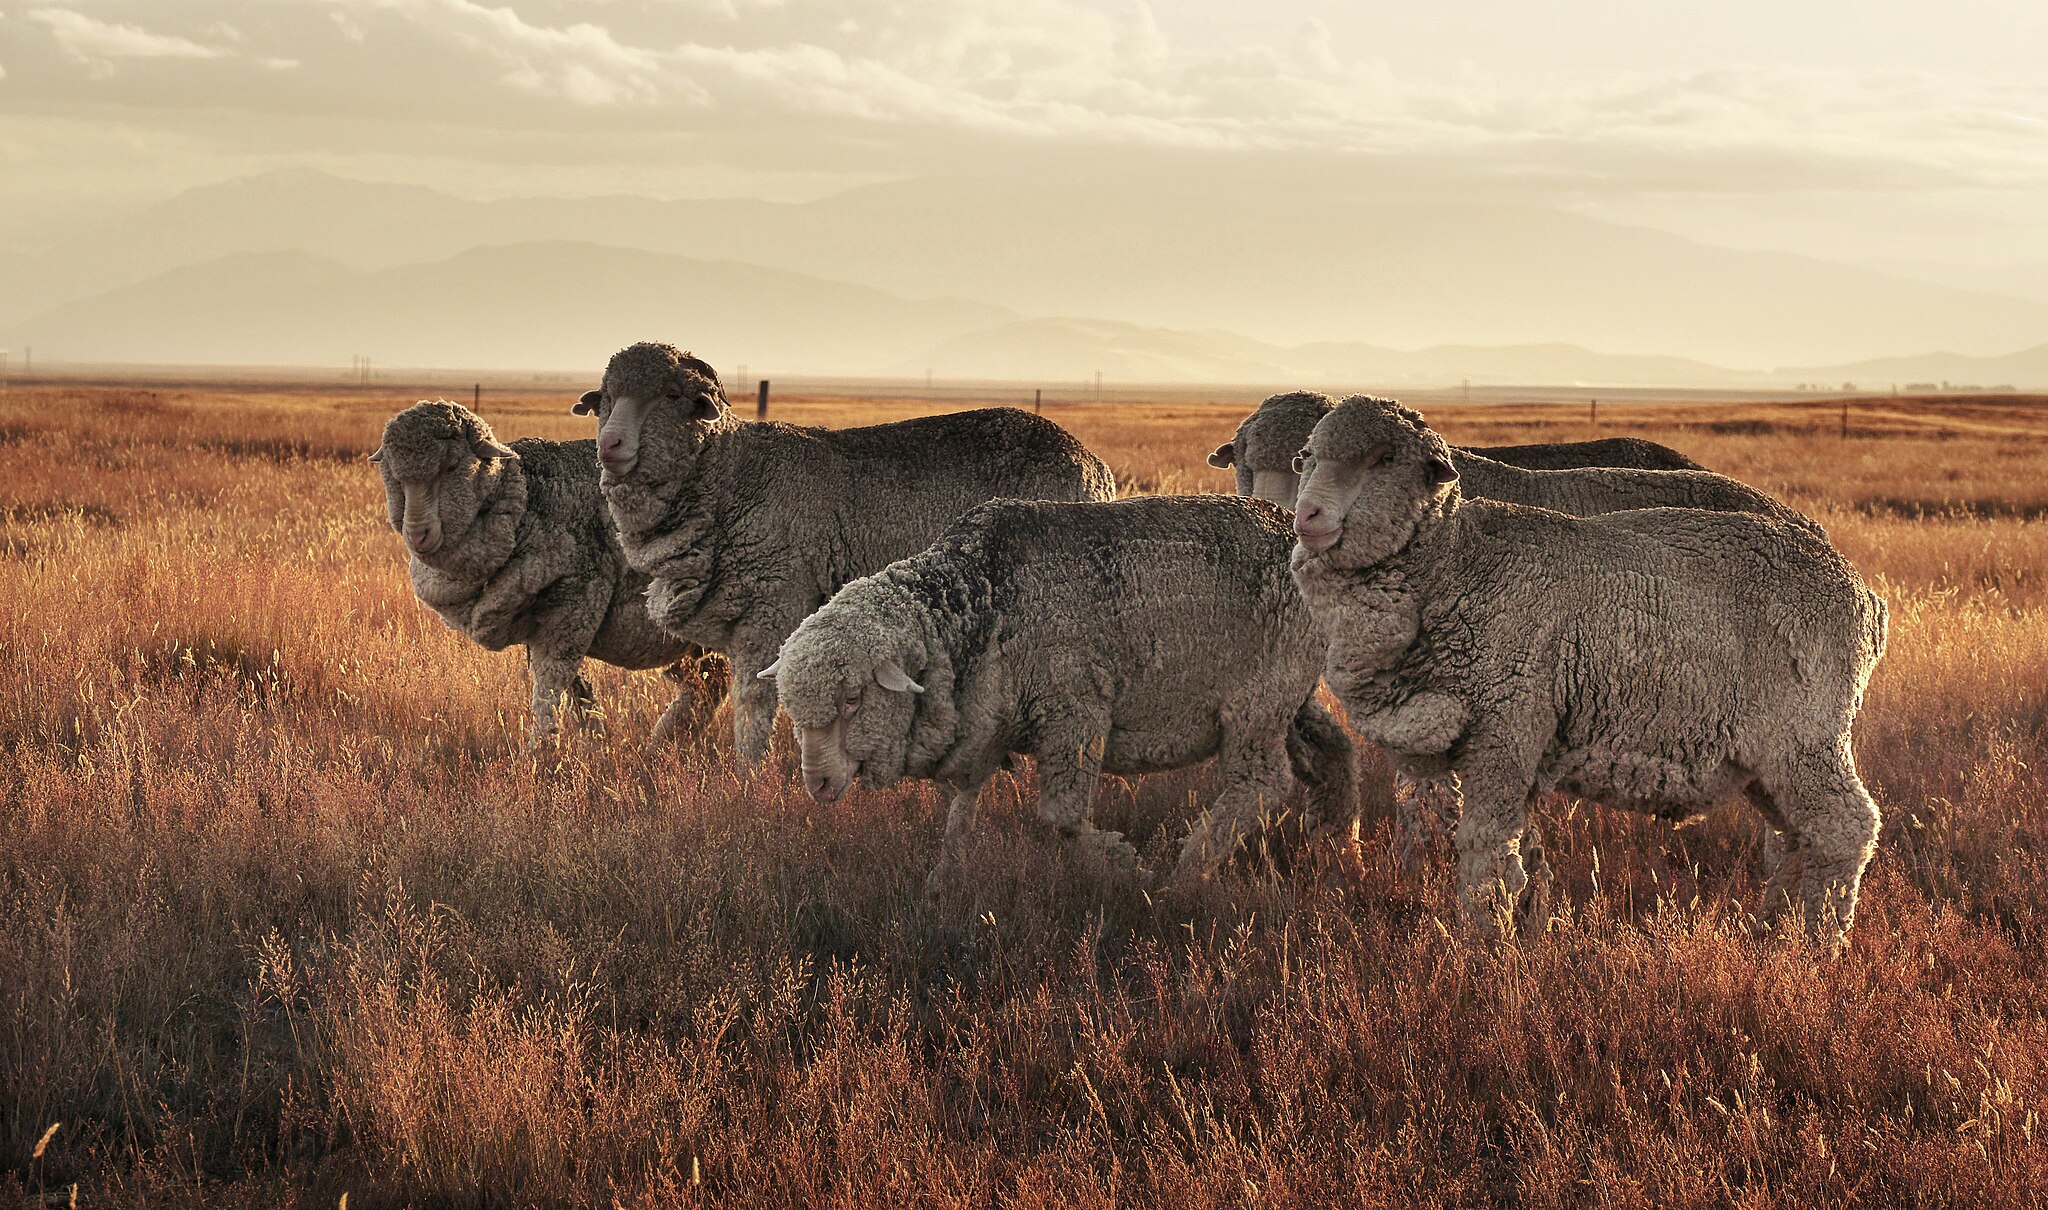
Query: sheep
(510, 544)
(1658, 660)
(1632, 452)
(748, 527)
(1127, 637)
(1262, 453)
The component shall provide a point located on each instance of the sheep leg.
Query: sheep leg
(1782, 857)
(1324, 761)
(963, 814)
(697, 694)
(1833, 824)
(1255, 780)
(553, 675)
(583, 709)
(753, 699)
(1426, 808)
(1496, 775)
(1068, 770)
(1532, 914)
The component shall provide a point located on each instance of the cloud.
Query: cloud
(93, 41)
(907, 84)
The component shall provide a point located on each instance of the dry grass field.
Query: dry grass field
(287, 913)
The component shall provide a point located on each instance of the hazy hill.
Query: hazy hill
(1286, 265)
(2026, 369)
(1075, 349)
(525, 305)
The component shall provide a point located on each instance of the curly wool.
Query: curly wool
(1659, 660)
(1123, 637)
(526, 555)
(1269, 438)
(746, 528)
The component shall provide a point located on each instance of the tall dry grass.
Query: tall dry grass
(287, 913)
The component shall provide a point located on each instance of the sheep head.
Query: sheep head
(437, 459)
(1263, 450)
(656, 406)
(1370, 471)
(844, 679)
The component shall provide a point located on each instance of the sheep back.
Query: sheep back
(1175, 615)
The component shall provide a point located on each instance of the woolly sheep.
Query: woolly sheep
(510, 544)
(1263, 449)
(1659, 660)
(748, 527)
(1266, 443)
(1093, 637)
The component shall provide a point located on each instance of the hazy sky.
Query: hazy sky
(1843, 128)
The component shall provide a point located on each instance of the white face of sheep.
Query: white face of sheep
(1337, 484)
(1328, 489)
(826, 698)
(1278, 484)
(424, 482)
(623, 414)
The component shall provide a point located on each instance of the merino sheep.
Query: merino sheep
(1266, 443)
(748, 527)
(1262, 452)
(1631, 452)
(1095, 638)
(510, 544)
(1660, 660)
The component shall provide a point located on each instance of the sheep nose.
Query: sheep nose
(1308, 518)
(820, 787)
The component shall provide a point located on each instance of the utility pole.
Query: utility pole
(1465, 390)
(1098, 386)
(761, 405)
(3, 370)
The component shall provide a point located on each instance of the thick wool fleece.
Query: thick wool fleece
(1631, 452)
(1660, 660)
(747, 528)
(1125, 637)
(1268, 439)
(526, 555)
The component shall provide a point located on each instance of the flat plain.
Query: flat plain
(287, 912)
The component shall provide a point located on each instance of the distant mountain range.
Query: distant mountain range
(1287, 268)
(561, 305)
(1074, 349)
(553, 305)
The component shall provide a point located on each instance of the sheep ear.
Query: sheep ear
(1225, 456)
(1441, 471)
(707, 408)
(486, 449)
(890, 675)
(768, 673)
(377, 455)
(587, 402)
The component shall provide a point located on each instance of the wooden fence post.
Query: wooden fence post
(761, 405)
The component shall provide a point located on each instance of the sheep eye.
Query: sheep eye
(675, 395)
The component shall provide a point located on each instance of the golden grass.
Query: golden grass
(285, 912)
